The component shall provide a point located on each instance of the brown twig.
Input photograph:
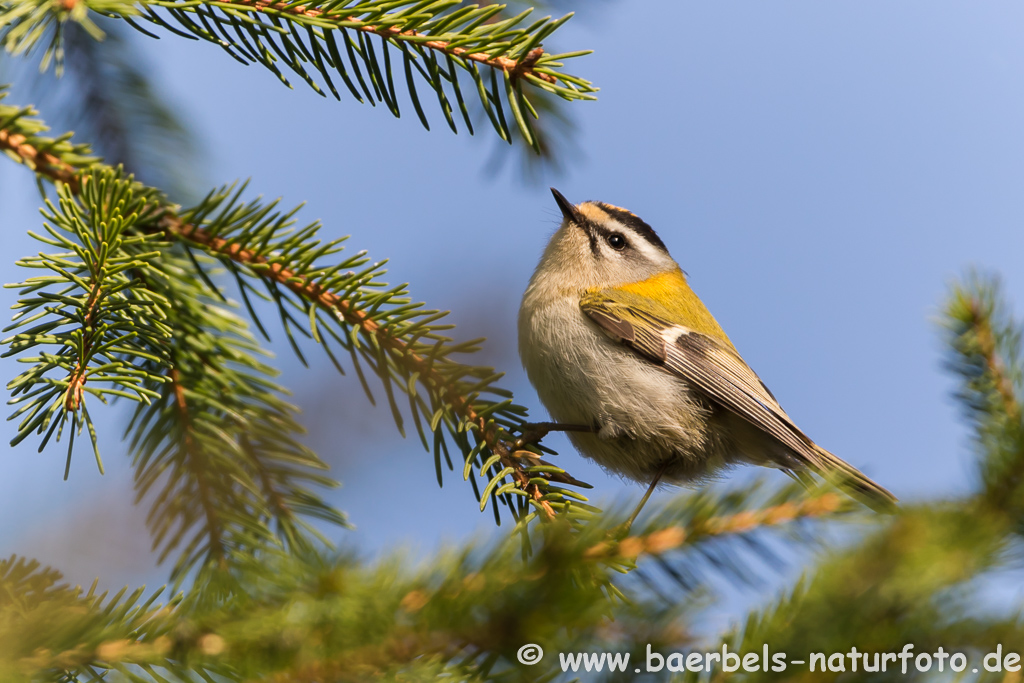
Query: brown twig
(523, 67)
(41, 162)
(664, 540)
(987, 343)
(1002, 487)
(78, 376)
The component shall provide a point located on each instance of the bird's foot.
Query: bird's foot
(533, 432)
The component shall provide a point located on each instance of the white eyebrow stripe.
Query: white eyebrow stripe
(650, 251)
(639, 240)
(640, 243)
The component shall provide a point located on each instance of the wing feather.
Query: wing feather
(713, 367)
(704, 362)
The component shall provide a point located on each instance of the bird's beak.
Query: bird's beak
(568, 210)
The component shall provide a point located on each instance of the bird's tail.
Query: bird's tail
(856, 483)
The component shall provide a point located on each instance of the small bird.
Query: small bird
(634, 367)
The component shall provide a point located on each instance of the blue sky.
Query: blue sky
(822, 171)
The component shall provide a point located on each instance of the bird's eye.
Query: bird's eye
(616, 240)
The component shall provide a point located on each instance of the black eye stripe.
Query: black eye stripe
(607, 234)
(634, 223)
(604, 230)
(592, 230)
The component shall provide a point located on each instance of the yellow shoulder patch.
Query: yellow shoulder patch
(668, 295)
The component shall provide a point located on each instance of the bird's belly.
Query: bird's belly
(646, 416)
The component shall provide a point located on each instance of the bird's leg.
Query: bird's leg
(535, 431)
(624, 529)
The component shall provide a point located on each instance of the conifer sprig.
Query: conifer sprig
(721, 533)
(89, 323)
(909, 581)
(109, 97)
(464, 614)
(435, 41)
(341, 303)
(124, 314)
(218, 453)
(458, 51)
(710, 514)
(50, 629)
(220, 438)
(24, 24)
(986, 345)
(22, 139)
(917, 578)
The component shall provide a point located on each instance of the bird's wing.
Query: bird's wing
(704, 362)
(712, 366)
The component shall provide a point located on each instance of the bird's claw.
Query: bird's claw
(533, 432)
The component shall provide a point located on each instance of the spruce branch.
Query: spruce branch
(21, 139)
(307, 615)
(731, 533)
(400, 342)
(906, 582)
(916, 579)
(87, 320)
(218, 452)
(377, 326)
(978, 310)
(109, 97)
(524, 66)
(241, 450)
(52, 631)
(985, 344)
(699, 528)
(463, 614)
(435, 42)
(26, 23)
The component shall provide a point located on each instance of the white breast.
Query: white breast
(645, 414)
